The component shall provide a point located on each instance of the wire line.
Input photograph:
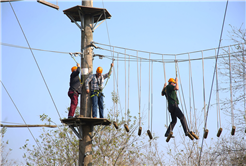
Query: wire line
(213, 82)
(35, 59)
(21, 117)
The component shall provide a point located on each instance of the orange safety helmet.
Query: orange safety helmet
(73, 68)
(172, 80)
(99, 70)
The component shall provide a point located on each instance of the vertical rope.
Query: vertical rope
(176, 70)
(204, 99)
(244, 82)
(140, 89)
(125, 85)
(193, 96)
(138, 92)
(232, 114)
(183, 96)
(217, 98)
(151, 95)
(165, 82)
(199, 161)
(114, 85)
(128, 87)
(190, 89)
(117, 105)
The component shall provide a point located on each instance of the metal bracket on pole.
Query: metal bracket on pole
(93, 28)
(81, 19)
(79, 135)
(97, 25)
(96, 132)
(82, 29)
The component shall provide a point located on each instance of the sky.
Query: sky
(163, 27)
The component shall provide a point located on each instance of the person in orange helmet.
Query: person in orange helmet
(96, 90)
(170, 92)
(74, 89)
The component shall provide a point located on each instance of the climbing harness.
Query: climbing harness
(97, 92)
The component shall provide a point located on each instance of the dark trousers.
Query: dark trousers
(97, 99)
(176, 112)
(74, 102)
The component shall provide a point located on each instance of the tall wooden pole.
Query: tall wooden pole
(85, 145)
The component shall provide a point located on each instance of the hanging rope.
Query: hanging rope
(114, 87)
(244, 82)
(193, 96)
(128, 87)
(125, 86)
(176, 71)
(117, 84)
(38, 144)
(139, 95)
(81, 82)
(212, 82)
(203, 88)
(183, 96)
(217, 99)
(232, 113)
(140, 86)
(150, 105)
(151, 96)
(164, 69)
(190, 90)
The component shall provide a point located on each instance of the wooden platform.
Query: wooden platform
(8, 0)
(95, 12)
(48, 4)
(77, 121)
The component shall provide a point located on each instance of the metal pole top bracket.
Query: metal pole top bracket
(77, 13)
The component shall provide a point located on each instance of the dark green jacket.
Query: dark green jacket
(172, 96)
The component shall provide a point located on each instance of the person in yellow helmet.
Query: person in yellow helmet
(96, 90)
(74, 89)
(170, 92)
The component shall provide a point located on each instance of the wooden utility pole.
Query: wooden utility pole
(82, 125)
(85, 145)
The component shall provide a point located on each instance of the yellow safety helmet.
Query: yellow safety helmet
(172, 80)
(73, 68)
(99, 70)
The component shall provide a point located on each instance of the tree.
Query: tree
(110, 146)
(4, 151)
(238, 77)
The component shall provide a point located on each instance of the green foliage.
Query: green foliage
(110, 146)
(58, 147)
(4, 151)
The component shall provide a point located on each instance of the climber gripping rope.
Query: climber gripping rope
(74, 89)
(170, 92)
(96, 89)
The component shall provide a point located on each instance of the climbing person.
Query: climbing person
(96, 90)
(170, 92)
(74, 89)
